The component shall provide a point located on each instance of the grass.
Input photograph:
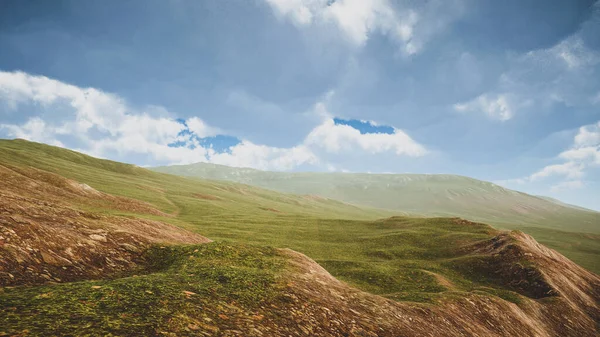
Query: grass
(170, 193)
(583, 248)
(210, 286)
(421, 194)
(215, 277)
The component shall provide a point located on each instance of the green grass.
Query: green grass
(170, 193)
(215, 277)
(417, 194)
(188, 287)
(210, 286)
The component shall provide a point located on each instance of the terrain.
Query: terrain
(94, 247)
(572, 230)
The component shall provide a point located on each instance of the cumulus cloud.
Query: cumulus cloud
(336, 138)
(358, 19)
(588, 135)
(569, 170)
(35, 128)
(301, 12)
(582, 156)
(247, 154)
(105, 125)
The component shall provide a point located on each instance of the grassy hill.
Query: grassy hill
(408, 272)
(573, 231)
(423, 194)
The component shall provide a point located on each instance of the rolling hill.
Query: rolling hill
(572, 230)
(94, 247)
(420, 194)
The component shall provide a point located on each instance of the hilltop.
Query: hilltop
(94, 247)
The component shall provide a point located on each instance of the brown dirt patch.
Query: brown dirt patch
(43, 238)
(441, 280)
(37, 183)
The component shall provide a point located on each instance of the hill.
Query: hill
(573, 231)
(423, 194)
(93, 247)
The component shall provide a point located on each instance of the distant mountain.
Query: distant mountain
(419, 194)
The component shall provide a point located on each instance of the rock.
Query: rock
(129, 248)
(97, 237)
(48, 258)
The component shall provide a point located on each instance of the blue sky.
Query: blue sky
(505, 91)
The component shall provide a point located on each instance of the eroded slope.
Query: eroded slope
(221, 289)
(45, 235)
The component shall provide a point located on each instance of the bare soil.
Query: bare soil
(44, 237)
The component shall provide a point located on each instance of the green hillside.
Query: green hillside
(187, 198)
(573, 231)
(228, 210)
(346, 238)
(424, 194)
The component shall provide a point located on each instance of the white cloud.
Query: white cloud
(34, 129)
(588, 135)
(247, 154)
(124, 130)
(541, 80)
(583, 156)
(201, 129)
(336, 138)
(570, 170)
(588, 153)
(498, 107)
(106, 126)
(358, 19)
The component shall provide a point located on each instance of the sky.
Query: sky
(503, 91)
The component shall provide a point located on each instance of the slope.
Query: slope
(432, 195)
(171, 194)
(573, 231)
(239, 290)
